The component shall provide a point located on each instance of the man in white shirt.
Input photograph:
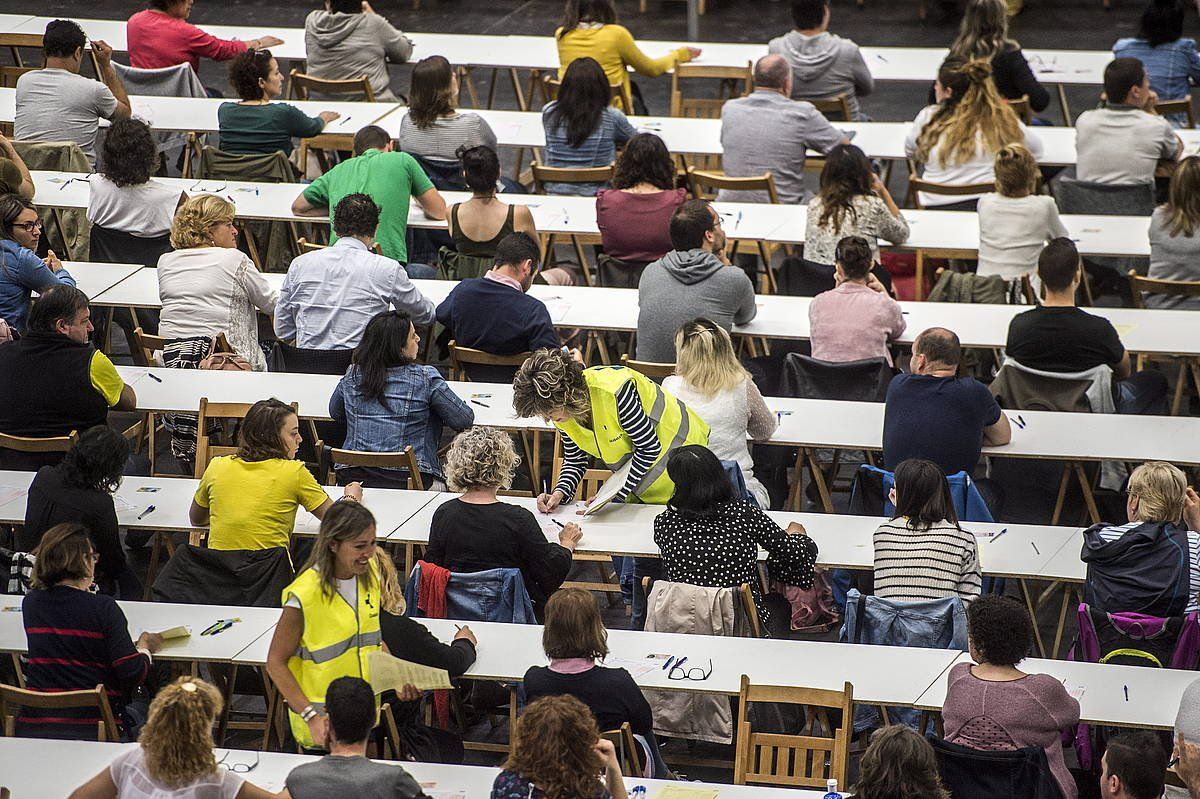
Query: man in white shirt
(1122, 143)
(56, 103)
(328, 296)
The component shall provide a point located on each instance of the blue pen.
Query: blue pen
(149, 509)
(681, 661)
(667, 665)
(1002, 532)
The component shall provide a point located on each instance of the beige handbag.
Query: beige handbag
(222, 358)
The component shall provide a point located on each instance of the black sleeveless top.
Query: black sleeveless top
(479, 249)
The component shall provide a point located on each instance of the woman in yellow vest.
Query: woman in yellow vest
(611, 413)
(330, 621)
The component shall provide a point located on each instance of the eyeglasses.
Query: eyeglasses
(677, 673)
(238, 768)
(29, 227)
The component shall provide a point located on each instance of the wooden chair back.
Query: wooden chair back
(144, 347)
(746, 597)
(629, 753)
(15, 41)
(704, 184)
(30, 444)
(558, 174)
(1181, 106)
(300, 84)
(838, 107)
(405, 460)
(592, 478)
(462, 357)
(698, 108)
(651, 369)
(917, 184)
(733, 82)
(206, 450)
(805, 760)
(303, 245)
(551, 84)
(1139, 285)
(10, 75)
(12, 697)
(1021, 106)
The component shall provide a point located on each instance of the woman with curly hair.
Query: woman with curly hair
(957, 138)
(122, 194)
(389, 401)
(433, 128)
(79, 489)
(248, 500)
(851, 201)
(994, 706)
(254, 125)
(476, 531)
(557, 753)
(175, 753)
(899, 764)
(634, 215)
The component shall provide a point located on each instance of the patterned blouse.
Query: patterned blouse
(511, 785)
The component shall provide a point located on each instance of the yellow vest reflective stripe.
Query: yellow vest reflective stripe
(674, 423)
(336, 641)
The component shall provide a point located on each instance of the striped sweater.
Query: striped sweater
(911, 565)
(77, 641)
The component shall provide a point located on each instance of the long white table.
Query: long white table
(23, 769)
(94, 279)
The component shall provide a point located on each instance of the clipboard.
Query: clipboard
(612, 486)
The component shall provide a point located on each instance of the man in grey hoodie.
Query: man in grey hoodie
(824, 64)
(693, 280)
(348, 40)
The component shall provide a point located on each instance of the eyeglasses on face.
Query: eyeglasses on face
(238, 768)
(677, 673)
(29, 227)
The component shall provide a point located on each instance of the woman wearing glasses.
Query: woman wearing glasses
(77, 639)
(22, 272)
(176, 754)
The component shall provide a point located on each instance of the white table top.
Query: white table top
(75, 762)
(95, 278)
(1153, 701)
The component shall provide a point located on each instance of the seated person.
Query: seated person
(1123, 142)
(851, 201)
(56, 103)
(1014, 222)
(14, 175)
(77, 639)
(255, 125)
(1136, 567)
(22, 272)
(574, 639)
(983, 34)
(993, 706)
(347, 40)
(1133, 766)
(824, 65)
(1171, 61)
(175, 753)
(123, 194)
(329, 295)
(710, 538)
(80, 490)
(160, 36)
(1058, 337)
(899, 762)
(55, 381)
(858, 319)
(476, 532)
(923, 553)
(248, 500)
(346, 771)
(389, 401)
(483, 312)
(433, 128)
(932, 414)
(582, 128)
(1187, 744)
(1174, 245)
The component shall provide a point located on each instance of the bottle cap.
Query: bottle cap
(831, 786)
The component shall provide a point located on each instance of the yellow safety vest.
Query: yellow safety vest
(335, 643)
(674, 423)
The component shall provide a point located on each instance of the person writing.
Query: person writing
(857, 319)
(22, 272)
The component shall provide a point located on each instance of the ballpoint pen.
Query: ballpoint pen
(480, 404)
(556, 521)
(1035, 549)
(1002, 532)
(667, 665)
(154, 377)
(149, 509)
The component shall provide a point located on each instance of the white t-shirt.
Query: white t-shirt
(145, 210)
(1012, 232)
(348, 589)
(133, 781)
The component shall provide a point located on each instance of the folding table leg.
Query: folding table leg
(1062, 97)
(223, 722)
(522, 103)
(1062, 493)
(1032, 607)
(1085, 486)
(152, 570)
(1068, 591)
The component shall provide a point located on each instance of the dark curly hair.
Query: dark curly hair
(247, 69)
(258, 437)
(1000, 630)
(645, 159)
(96, 461)
(129, 155)
(355, 215)
(553, 747)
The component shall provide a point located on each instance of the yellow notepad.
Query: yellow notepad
(685, 792)
(392, 673)
(176, 632)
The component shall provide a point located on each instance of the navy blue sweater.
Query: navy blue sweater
(491, 316)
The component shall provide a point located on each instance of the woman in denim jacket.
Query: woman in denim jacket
(390, 402)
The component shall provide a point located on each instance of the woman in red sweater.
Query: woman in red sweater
(161, 36)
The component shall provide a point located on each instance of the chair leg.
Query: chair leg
(152, 570)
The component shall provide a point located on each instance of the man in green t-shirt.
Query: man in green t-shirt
(390, 178)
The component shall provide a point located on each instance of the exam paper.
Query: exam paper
(181, 631)
(612, 486)
(685, 792)
(391, 674)
(557, 307)
(9, 493)
(635, 667)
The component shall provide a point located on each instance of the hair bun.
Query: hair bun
(977, 70)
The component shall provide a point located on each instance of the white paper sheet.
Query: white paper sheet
(612, 486)
(392, 673)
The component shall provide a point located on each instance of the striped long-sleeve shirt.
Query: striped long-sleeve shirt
(640, 430)
(940, 562)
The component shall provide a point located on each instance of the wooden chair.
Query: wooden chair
(1181, 106)
(405, 460)
(300, 84)
(734, 82)
(206, 449)
(303, 245)
(704, 185)
(651, 369)
(142, 350)
(589, 484)
(462, 357)
(629, 752)
(12, 697)
(795, 761)
(1139, 286)
(10, 75)
(551, 85)
(746, 597)
(15, 41)
(554, 174)
(34, 445)
(836, 107)
(1021, 106)
(917, 184)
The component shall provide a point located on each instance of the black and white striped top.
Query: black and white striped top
(635, 424)
(911, 565)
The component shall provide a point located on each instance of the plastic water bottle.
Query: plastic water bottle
(831, 790)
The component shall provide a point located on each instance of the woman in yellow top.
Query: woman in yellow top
(590, 29)
(249, 499)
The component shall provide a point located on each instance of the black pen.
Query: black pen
(556, 521)
(1021, 419)
(154, 377)
(481, 404)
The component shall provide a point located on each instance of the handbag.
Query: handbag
(223, 359)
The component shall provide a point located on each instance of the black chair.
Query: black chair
(111, 246)
(860, 381)
(800, 277)
(1075, 196)
(286, 358)
(978, 774)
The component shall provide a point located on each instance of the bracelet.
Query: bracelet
(308, 714)
(146, 652)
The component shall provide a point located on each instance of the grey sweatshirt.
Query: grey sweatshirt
(824, 66)
(347, 46)
(682, 286)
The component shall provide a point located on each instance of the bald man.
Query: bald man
(767, 131)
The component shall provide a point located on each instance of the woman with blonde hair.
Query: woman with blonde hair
(557, 753)
(956, 140)
(476, 531)
(1015, 222)
(175, 753)
(713, 383)
(983, 34)
(1174, 240)
(899, 764)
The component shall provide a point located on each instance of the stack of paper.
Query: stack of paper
(391, 674)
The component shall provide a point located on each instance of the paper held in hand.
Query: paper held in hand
(612, 486)
(182, 631)
(391, 674)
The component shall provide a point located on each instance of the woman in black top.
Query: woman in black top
(984, 34)
(709, 538)
(79, 489)
(477, 532)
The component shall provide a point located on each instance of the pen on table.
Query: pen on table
(480, 396)
(154, 377)
(556, 521)
(1035, 549)
(1017, 421)
(345, 120)
(149, 509)
(1002, 532)
(1021, 419)
(737, 221)
(881, 58)
(681, 661)
(480, 404)
(667, 665)
(1126, 687)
